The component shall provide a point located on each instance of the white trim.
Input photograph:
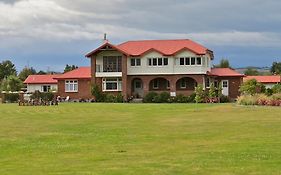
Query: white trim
(74, 82)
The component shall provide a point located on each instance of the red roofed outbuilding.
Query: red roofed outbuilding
(268, 80)
(42, 83)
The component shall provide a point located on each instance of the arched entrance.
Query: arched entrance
(159, 84)
(186, 84)
(137, 88)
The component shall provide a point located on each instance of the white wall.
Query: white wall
(38, 87)
(173, 66)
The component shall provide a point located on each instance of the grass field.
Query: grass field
(140, 139)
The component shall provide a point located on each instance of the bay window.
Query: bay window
(112, 84)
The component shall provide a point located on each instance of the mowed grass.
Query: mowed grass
(140, 139)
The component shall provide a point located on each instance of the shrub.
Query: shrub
(119, 98)
(268, 92)
(200, 94)
(246, 100)
(150, 97)
(12, 97)
(276, 96)
(46, 96)
(251, 87)
(180, 99)
(164, 97)
(224, 99)
(109, 98)
(276, 88)
(212, 91)
(97, 93)
(191, 98)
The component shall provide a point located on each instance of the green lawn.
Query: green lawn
(140, 139)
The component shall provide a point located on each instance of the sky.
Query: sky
(48, 34)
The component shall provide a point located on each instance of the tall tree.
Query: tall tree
(41, 72)
(276, 68)
(70, 68)
(26, 72)
(11, 83)
(7, 68)
(250, 71)
(224, 63)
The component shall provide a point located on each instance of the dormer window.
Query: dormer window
(158, 61)
(135, 62)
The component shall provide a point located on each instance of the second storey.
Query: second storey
(151, 57)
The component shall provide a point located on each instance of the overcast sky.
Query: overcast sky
(47, 34)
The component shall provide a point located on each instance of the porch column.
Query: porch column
(93, 69)
(145, 82)
(124, 77)
(173, 84)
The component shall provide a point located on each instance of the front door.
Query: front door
(138, 88)
(225, 87)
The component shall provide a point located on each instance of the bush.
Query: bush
(200, 94)
(119, 98)
(276, 96)
(268, 92)
(164, 97)
(109, 98)
(150, 97)
(246, 100)
(46, 96)
(276, 88)
(251, 87)
(12, 97)
(97, 93)
(224, 99)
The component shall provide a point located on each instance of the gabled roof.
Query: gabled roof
(40, 79)
(106, 44)
(265, 79)
(166, 47)
(225, 72)
(79, 73)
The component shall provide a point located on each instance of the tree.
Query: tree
(276, 88)
(26, 72)
(224, 63)
(69, 68)
(200, 94)
(212, 91)
(251, 87)
(7, 68)
(41, 72)
(276, 68)
(11, 83)
(251, 71)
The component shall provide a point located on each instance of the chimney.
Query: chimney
(105, 40)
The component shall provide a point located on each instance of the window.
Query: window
(112, 84)
(198, 61)
(71, 86)
(192, 60)
(167, 84)
(166, 61)
(216, 84)
(155, 84)
(112, 64)
(154, 61)
(135, 62)
(45, 88)
(181, 61)
(160, 61)
(207, 82)
(187, 61)
(183, 83)
(224, 83)
(138, 84)
(157, 61)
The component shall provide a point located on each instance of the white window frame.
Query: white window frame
(118, 81)
(69, 84)
(135, 62)
(48, 89)
(158, 60)
(209, 81)
(155, 82)
(185, 84)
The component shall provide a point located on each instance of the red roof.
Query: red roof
(265, 79)
(79, 73)
(40, 79)
(165, 47)
(225, 72)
